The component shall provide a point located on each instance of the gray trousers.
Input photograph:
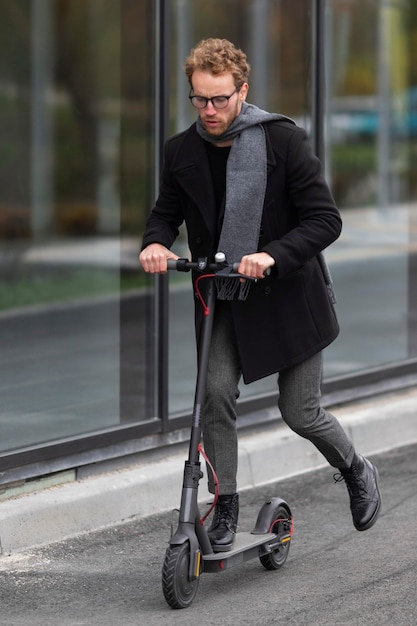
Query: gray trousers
(299, 403)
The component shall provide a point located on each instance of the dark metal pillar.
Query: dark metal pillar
(162, 45)
(318, 79)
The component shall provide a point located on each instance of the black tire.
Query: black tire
(179, 591)
(276, 559)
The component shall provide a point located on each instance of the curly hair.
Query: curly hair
(218, 56)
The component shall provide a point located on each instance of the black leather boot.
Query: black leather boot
(223, 526)
(362, 484)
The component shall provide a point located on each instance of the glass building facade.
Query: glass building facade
(97, 360)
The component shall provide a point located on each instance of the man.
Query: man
(246, 183)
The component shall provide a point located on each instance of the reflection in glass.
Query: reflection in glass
(60, 217)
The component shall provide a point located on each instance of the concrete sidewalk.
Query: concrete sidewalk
(374, 425)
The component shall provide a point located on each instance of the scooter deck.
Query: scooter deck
(245, 547)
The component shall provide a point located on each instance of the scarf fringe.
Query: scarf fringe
(227, 288)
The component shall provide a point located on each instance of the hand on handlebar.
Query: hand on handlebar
(154, 258)
(256, 265)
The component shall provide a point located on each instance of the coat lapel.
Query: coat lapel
(270, 156)
(194, 175)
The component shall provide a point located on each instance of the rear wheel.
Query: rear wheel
(179, 590)
(281, 526)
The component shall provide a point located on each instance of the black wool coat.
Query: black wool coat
(288, 316)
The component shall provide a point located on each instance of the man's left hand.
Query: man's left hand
(255, 265)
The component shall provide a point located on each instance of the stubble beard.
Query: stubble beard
(224, 124)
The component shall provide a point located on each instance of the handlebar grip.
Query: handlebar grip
(235, 268)
(181, 265)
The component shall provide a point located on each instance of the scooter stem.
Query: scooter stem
(189, 527)
(204, 353)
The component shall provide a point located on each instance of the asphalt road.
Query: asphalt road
(334, 576)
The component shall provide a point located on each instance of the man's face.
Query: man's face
(217, 121)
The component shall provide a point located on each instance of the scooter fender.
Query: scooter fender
(267, 515)
(178, 538)
(186, 533)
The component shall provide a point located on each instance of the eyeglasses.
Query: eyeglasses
(219, 102)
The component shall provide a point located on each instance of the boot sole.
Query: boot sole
(226, 548)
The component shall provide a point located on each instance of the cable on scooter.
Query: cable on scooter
(216, 483)
(291, 519)
(200, 295)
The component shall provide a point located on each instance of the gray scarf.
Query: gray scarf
(246, 177)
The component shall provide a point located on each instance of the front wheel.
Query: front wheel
(179, 590)
(281, 526)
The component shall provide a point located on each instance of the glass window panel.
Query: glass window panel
(370, 171)
(74, 193)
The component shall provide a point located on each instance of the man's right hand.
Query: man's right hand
(154, 258)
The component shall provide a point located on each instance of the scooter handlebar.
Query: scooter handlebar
(184, 265)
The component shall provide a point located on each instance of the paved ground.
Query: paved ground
(334, 576)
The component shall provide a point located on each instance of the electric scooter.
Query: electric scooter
(190, 552)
